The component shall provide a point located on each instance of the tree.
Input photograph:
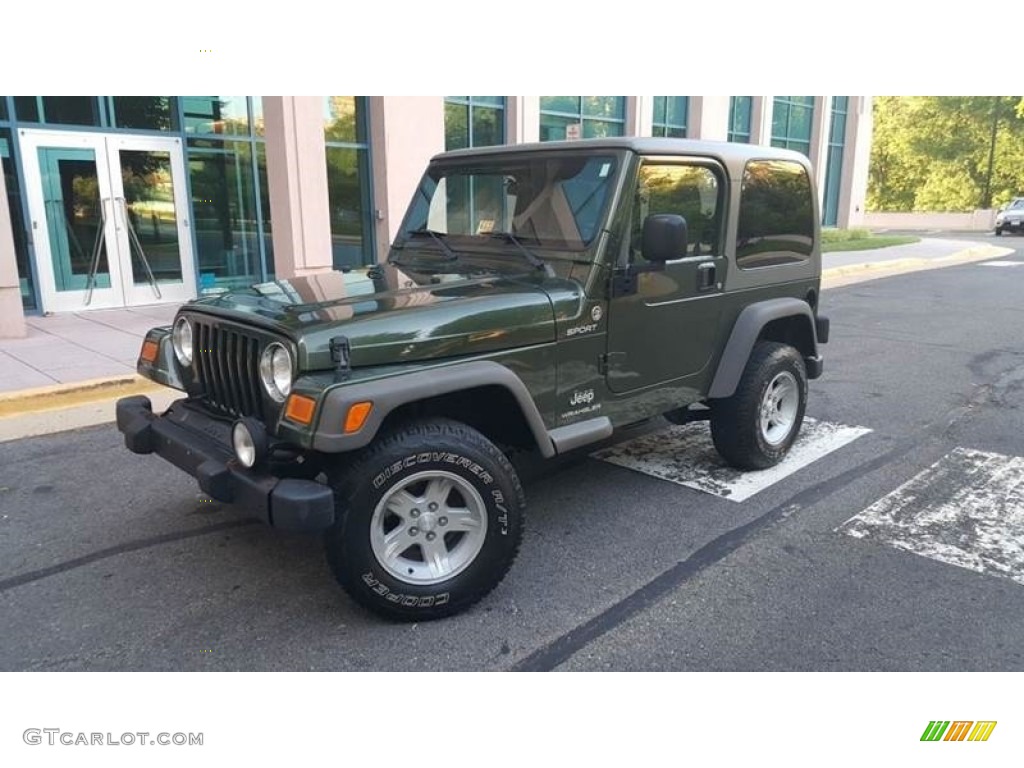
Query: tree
(946, 153)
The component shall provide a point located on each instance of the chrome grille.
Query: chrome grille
(227, 368)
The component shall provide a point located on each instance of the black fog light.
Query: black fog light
(250, 441)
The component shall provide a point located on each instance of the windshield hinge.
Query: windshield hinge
(341, 356)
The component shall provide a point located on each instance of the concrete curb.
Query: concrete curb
(60, 396)
(849, 274)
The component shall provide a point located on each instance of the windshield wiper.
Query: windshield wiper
(439, 239)
(534, 259)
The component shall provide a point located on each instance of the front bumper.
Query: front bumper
(200, 445)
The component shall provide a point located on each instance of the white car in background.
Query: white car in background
(1011, 216)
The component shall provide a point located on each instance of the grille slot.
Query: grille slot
(227, 369)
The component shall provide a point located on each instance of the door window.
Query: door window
(691, 191)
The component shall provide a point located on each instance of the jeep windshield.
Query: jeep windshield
(548, 201)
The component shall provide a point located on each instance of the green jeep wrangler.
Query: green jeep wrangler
(537, 297)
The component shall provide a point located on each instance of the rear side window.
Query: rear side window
(776, 222)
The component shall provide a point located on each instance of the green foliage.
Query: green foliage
(830, 235)
(859, 240)
(933, 153)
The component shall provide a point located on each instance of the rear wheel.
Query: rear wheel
(756, 427)
(999, 231)
(430, 521)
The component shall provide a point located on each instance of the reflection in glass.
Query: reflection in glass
(26, 108)
(224, 213)
(348, 175)
(71, 110)
(776, 218)
(606, 107)
(598, 116)
(149, 200)
(488, 126)
(552, 127)
(345, 198)
(474, 121)
(690, 191)
(791, 122)
(3, 107)
(228, 115)
(341, 123)
(456, 126)
(739, 118)
(268, 240)
(17, 221)
(598, 129)
(74, 220)
(670, 115)
(834, 167)
(570, 104)
(156, 113)
(257, 115)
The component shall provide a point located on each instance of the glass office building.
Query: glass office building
(125, 200)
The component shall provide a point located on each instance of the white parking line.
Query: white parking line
(1002, 263)
(967, 509)
(685, 455)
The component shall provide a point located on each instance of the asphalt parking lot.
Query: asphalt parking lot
(112, 561)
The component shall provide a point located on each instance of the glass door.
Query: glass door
(151, 219)
(109, 219)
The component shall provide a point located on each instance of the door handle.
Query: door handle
(706, 273)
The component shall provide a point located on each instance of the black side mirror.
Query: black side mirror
(664, 237)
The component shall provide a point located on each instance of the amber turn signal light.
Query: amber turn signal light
(357, 414)
(150, 350)
(300, 409)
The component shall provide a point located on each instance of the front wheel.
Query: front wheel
(431, 518)
(999, 231)
(757, 425)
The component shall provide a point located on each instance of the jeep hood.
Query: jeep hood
(390, 316)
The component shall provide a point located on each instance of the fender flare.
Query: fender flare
(392, 392)
(744, 335)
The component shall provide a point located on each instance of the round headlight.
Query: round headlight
(276, 371)
(245, 447)
(181, 340)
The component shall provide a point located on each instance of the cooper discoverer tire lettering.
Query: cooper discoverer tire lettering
(430, 519)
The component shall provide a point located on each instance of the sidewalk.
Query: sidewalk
(928, 248)
(101, 344)
(80, 346)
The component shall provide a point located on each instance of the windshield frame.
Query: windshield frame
(493, 163)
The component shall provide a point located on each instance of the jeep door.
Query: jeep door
(666, 330)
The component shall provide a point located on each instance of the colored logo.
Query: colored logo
(958, 730)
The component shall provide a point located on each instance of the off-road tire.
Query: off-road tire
(736, 421)
(417, 449)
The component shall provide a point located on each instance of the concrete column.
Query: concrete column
(522, 119)
(405, 132)
(639, 116)
(761, 110)
(12, 315)
(821, 121)
(853, 190)
(297, 178)
(709, 118)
